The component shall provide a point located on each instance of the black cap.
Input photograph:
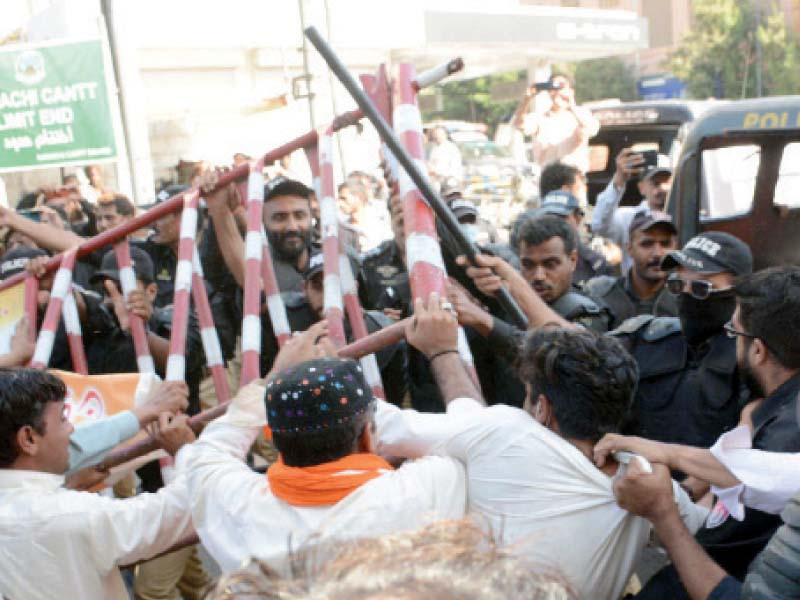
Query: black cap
(325, 393)
(647, 219)
(142, 266)
(14, 261)
(462, 207)
(315, 265)
(560, 203)
(712, 252)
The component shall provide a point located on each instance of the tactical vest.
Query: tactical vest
(578, 308)
(610, 292)
(683, 397)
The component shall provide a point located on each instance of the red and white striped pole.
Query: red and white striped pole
(275, 305)
(127, 279)
(176, 361)
(31, 303)
(355, 314)
(72, 325)
(423, 255)
(332, 303)
(62, 285)
(254, 252)
(208, 332)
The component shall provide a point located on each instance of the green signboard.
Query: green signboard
(54, 107)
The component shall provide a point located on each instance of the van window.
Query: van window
(787, 188)
(729, 181)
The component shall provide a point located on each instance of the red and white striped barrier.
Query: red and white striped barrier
(208, 332)
(355, 315)
(275, 305)
(253, 248)
(31, 304)
(332, 303)
(62, 285)
(127, 279)
(176, 361)
(423, 255)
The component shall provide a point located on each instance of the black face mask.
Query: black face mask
(701, 319)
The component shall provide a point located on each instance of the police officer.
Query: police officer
(548, 253)
(565, 205)
(383, 280)
(303, 309)
(478, 229)
(640, 291)
(689, 388)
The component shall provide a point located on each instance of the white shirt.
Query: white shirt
(768, 479)
(558, 136)
(445, 160)
(537, 491)
(237, 516)
(58, 543)
(614, 222)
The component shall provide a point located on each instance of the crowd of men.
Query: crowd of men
(658, 395)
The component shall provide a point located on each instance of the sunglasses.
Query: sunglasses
(698, 288)
(733, 332)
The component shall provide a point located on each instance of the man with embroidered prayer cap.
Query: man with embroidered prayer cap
(328, 482)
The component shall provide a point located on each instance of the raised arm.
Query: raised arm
(603, 221)
(220, 203)
(45, 236)
(518, 120)
(492, 272)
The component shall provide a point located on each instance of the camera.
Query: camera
(547, 86)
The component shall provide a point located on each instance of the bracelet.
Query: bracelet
(432, 356)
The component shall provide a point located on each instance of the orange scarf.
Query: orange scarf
(325, 484)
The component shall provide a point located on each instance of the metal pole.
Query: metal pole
(442, 211)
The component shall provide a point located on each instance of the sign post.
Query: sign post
(54, 106)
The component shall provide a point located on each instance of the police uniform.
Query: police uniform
(617, 295)
(165, 264)
(685, 395)
(689, 393)
(590, 264)
(391, 360)
(383, 279)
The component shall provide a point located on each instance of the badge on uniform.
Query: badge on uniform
(164, 275)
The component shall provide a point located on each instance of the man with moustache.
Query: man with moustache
(612, 221)
(641, 290)
(287, 220)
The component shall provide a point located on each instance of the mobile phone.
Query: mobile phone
(650, 158)
(546, 86)
(33, 215)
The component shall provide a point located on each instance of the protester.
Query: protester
(55, 541)
(640, 290)
(328, 482)
(774, 574)
(449, 559)
(530, 473)
(562, 133)
(614, 222)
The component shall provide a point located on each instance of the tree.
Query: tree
(602, 78)
(718, 56)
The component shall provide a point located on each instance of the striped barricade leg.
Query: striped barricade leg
(61, 288)
(251, 321)
(127, 279)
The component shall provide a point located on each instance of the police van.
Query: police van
(739, 172)
(660, 125)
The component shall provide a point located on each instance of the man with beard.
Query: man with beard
(765, 326)
(641, 290)
(287, 220)
(690, 391)
(613, 222)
